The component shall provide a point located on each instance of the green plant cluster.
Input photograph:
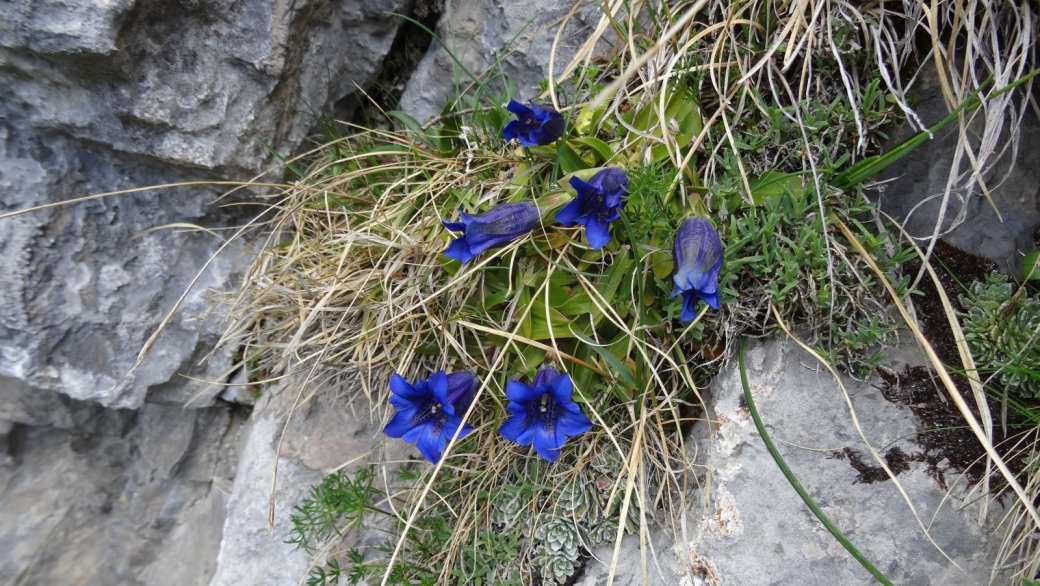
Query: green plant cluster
(536, 520)
(782, 245)
(606, 317)
(1001, 328)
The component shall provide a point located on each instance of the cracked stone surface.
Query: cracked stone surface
(754, 529)
(97, 97)
(91, 495)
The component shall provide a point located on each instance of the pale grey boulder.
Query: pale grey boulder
(325, 433)
(754, 528)
(128, 497)
(919, 181)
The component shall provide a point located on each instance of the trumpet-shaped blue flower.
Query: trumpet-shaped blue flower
(543, 413)
(597, 204)
(534, 126)
(698, 258)
(494, 227)
(430, 411)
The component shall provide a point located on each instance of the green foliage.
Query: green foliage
(1002, 329)
(340, 502)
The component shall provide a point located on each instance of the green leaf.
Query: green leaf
(522, 304)
(601, 149)
(406, 120)
(580, 304)
(617, 271)
(623, 373)
(560, 324)
(1031, 266)
(772, 184)
(570, 162)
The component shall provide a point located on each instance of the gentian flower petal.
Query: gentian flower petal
(398, 425)
(597, 234)
(514, 426)
(573, 423)
(568, 215)
(597, 204)
(519, 393)
(698, 258)
(461, 388)
(438, 385)
(400, 387)
(495, 227)
(547, 443)
(430, 442)
(543, 413)
(426, 410)
(548, 376)
(534, 126)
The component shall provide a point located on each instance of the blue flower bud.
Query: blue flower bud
(698, 258)
(494, 227)
(534, 126)
(597, 204)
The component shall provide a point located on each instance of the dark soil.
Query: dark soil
(897, 460)
(956, 270)
(947, 444)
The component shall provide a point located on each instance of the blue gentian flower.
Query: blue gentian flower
(543, 413)
(494, 227)
(430, 411)
(597, 204)
(534, 126)
(698, 258)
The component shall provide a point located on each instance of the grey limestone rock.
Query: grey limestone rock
(323, 434)
(479, 33)
(98, 97)
(923, 175)
(754, 529)
(118, 496)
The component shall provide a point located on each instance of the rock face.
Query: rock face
(922, 175)
(479, 33)
(756, 530)
(105, 96)
(107, 478)
(103, 496)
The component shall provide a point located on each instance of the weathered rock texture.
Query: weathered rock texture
(105, 96)
(107, 478)
(756, 530)
(103, 496)
(479, 33)
(323, 435)
(1014, 190)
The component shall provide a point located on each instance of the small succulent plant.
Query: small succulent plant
(1001, 331)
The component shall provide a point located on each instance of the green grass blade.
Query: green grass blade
(624, 374)
(299, 172)
(794, 481)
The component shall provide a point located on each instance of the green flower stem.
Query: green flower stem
(794, 481)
